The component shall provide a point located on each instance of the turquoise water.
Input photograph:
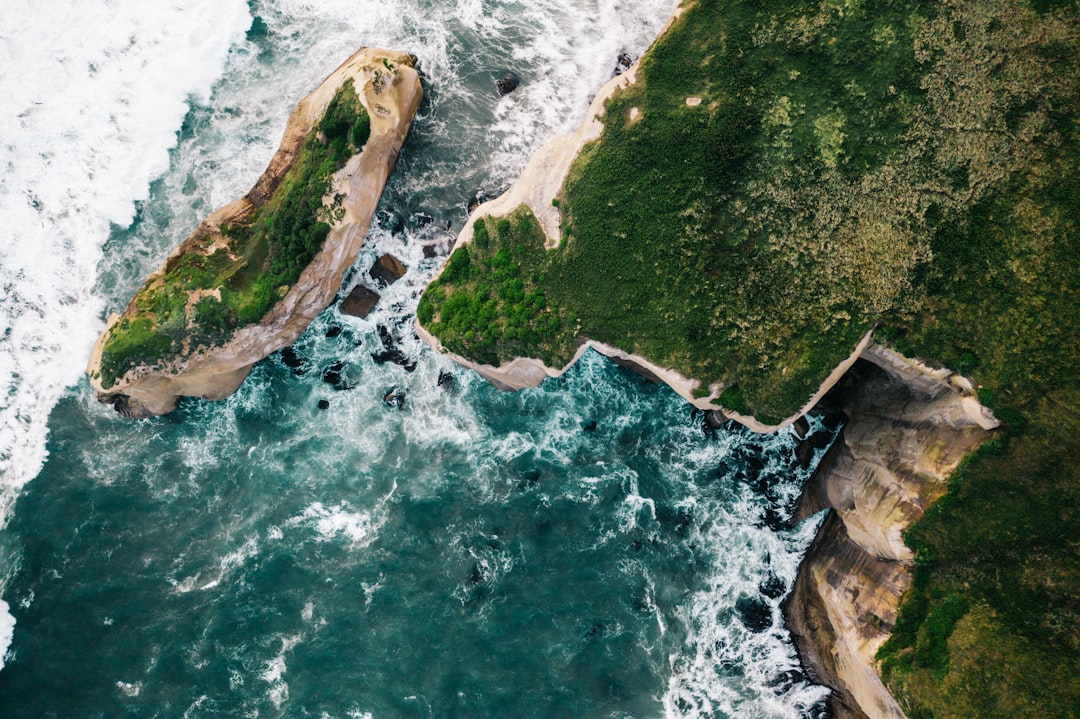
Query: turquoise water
(583, 549)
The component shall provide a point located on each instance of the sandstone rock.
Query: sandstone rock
(360, 302)
(387, 270)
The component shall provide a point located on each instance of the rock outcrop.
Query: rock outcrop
(389, 88)
(908, 428)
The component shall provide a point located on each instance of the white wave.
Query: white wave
(274, 672)
(7, 630)
(93, 96)
(129, 689)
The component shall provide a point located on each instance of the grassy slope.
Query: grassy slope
(264, 256)
(904, 163)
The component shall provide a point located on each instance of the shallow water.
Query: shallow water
(472, 553)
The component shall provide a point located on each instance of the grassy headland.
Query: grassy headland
(786, 175)
(231, 279)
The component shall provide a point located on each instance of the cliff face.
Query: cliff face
(908, 428)
(391, 100)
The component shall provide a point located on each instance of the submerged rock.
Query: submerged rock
(754, 613)
(395, 398)
(445, 380)
(622, 63)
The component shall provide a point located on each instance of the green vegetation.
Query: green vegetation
(1000, 300)
(908, 165)
(485, 307)
(233, 279)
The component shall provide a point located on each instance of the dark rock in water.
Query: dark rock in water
(386, 336)
(818, 710)
(684, 520)
(392, 221)
(293, 361)
(395, 398)
(754, 613)
(507, 83)
(772, 587)
(477, 574)
(387, 270)
(445, 380)
(332, 374)
(623, 63)
(337, 377)
(391, 353)
(785, 680)
(334, 331)
(324, 404)
(360, 302)
(772, 519)
(590, 426)
(396, 356)
(801, 427)
(804, 453)
(711, 422)
(421, 219)
(478, 199)
(121, 405)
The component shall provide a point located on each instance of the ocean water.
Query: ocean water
(583, 549)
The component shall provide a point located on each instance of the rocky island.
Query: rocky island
(256, 272)
(781, 199)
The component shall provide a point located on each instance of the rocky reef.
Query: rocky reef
(907, 429)
(388, 87)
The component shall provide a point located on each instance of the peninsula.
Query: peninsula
(256, 272)
(779, 189)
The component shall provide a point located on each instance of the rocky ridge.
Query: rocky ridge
(391, 99)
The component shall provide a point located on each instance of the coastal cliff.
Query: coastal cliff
(388, 88)
(908, 428)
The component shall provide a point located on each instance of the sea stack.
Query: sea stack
(256, 272)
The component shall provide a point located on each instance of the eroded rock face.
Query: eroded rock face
(908, 428)
(391, 99)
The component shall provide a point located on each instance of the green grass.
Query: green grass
(911, 166)
(1000, 300)
(485, 306)
(264, 256)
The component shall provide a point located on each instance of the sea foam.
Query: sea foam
(93, 96)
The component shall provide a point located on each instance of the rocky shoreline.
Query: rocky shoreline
(907, 429)
(217, 372)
